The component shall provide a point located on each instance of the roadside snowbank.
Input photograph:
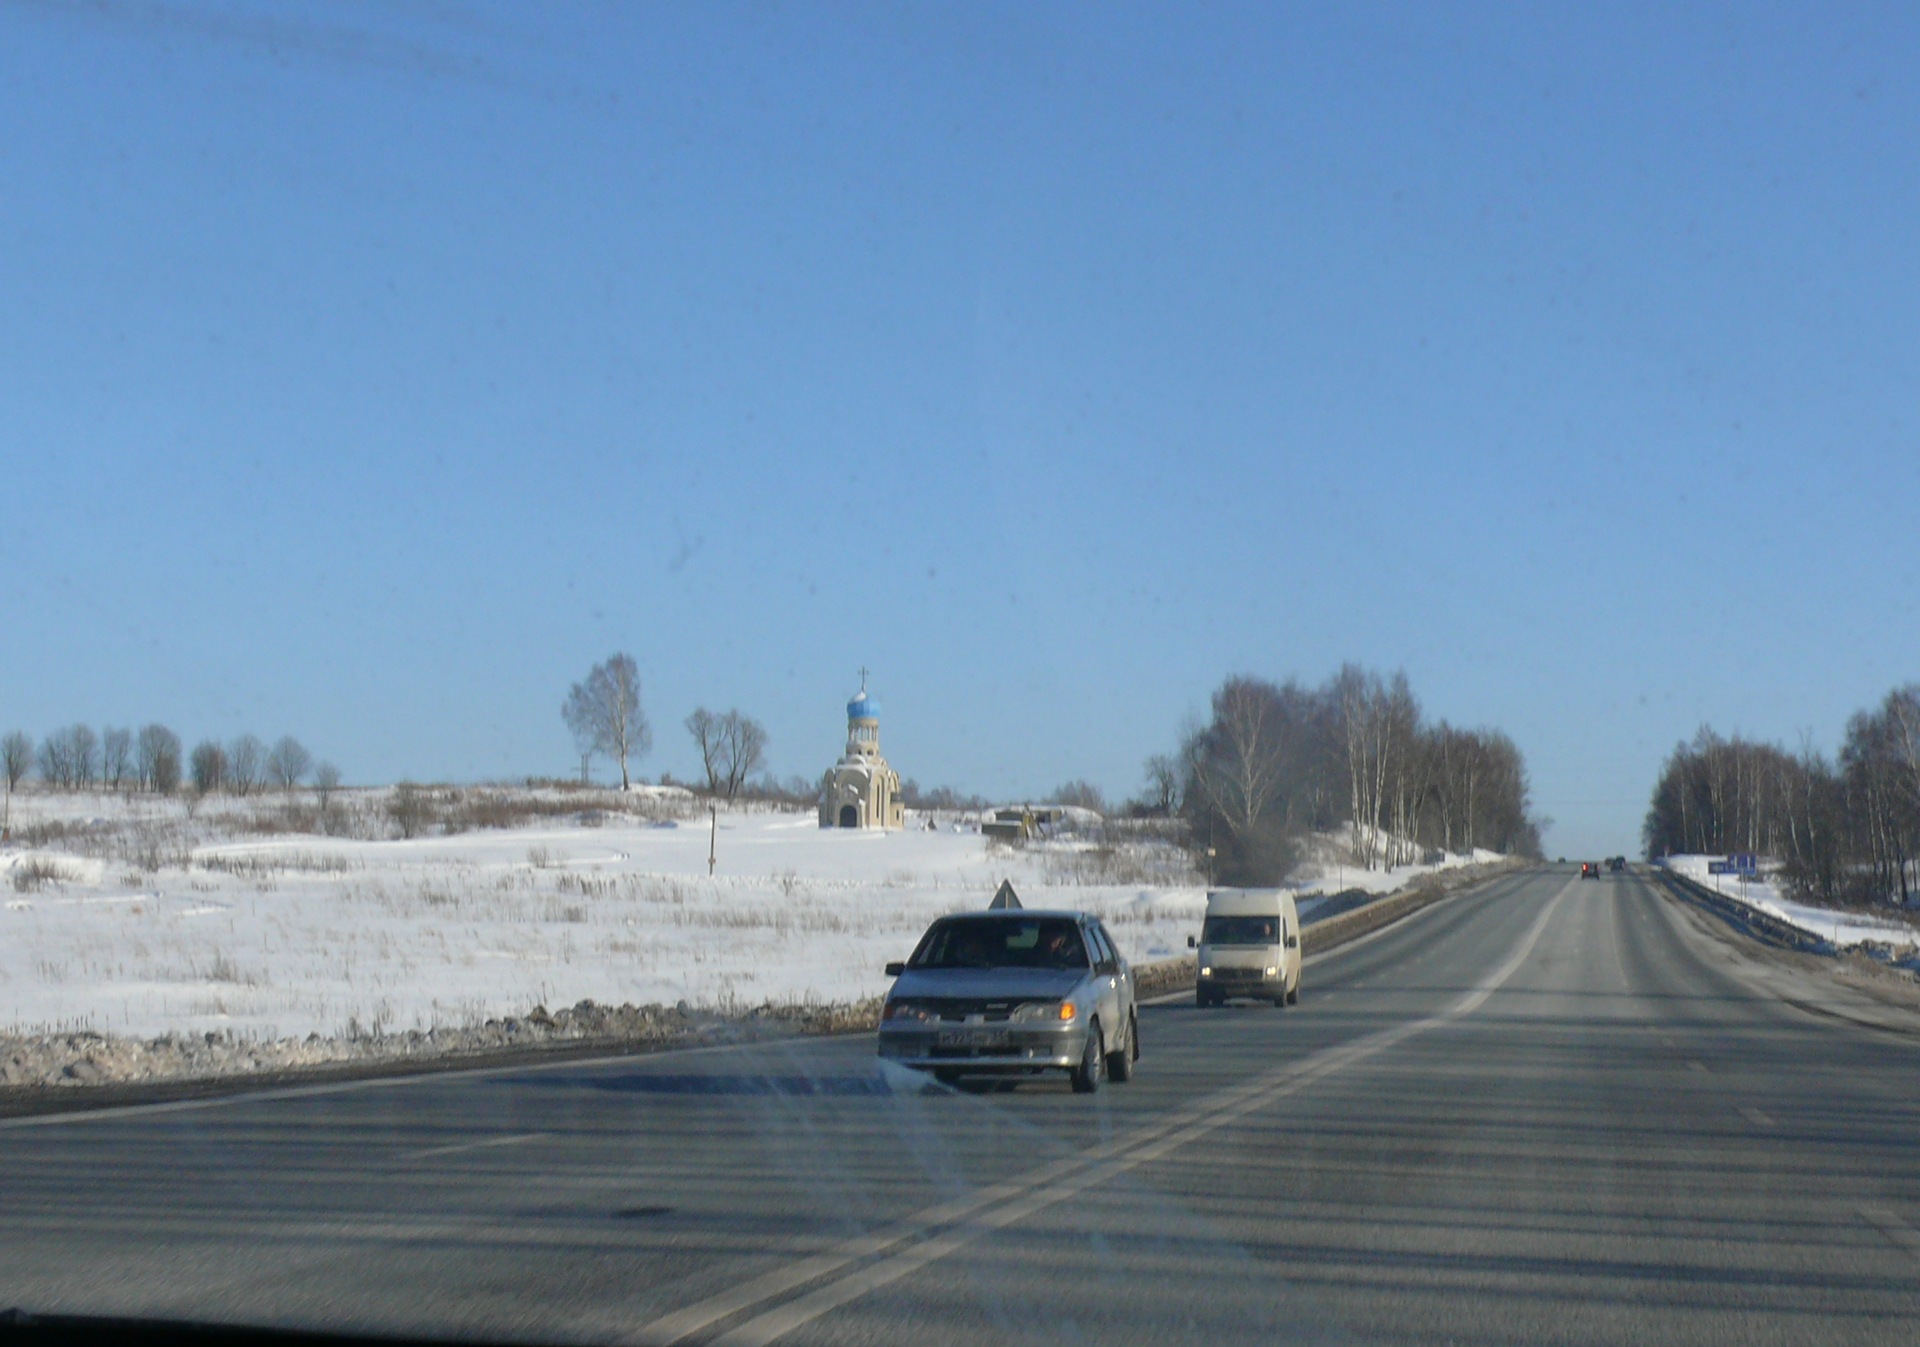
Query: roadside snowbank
(1842, 928)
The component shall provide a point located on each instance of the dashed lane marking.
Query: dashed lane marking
(459, 1148)
(1898, 1232)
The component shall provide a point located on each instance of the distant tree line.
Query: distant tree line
(1275, 762)
(1846, 830)
(153, 760)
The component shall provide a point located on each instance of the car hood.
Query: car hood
(989, 984)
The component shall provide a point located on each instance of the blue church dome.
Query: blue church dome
(863, 707)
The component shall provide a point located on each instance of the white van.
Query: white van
(1250, 946)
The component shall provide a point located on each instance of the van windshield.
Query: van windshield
(1241, 931)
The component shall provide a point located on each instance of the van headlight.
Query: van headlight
(1272, 971)
(1205, 971)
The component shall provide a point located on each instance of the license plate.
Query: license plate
(973, 1038)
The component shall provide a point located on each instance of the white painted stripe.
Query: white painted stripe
(1897, 1231)
(459, 1148)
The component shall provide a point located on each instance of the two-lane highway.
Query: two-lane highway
(1538, 1112)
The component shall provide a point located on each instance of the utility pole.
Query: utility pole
(713, 838)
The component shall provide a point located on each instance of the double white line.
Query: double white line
(896, 1250)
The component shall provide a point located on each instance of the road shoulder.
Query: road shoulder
(1850, 988)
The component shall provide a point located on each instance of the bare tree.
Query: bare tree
(732, 746)
(116, 757)
(746, 749)
(287, 762)
(704, 726)
(1163, 784)
(326, 780)
(207, 767)
(246, 764)
(603, 712)
(68, 758)
(411, 809)
(157, 759)
(16, 757)
(1081, 795)
(85, 751)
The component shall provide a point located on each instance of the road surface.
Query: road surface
(1540, 1112)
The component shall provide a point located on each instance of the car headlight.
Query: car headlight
(1044, 1012)
(1205, 972)
(1273, 971)
(908, 1012)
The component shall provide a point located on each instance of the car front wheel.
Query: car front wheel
(1093, 1062)
(1120, 1064)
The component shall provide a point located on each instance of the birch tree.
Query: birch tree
(603, 711)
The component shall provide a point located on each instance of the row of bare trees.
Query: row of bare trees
(152, 759)
(1846, 830)
(1276, 761)
(604, 714)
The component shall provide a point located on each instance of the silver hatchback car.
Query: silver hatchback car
(1014, 993)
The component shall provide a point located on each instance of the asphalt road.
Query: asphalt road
(1541, 1112)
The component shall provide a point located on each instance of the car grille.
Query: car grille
(1237, 974)
(989, 1011)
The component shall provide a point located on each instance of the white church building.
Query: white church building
(861, 790)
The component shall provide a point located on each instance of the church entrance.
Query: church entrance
(849, 816)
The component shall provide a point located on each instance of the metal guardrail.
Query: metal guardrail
(1757, 922)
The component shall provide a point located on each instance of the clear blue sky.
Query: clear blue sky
(368, 371)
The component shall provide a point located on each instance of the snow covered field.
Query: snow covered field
(1842, 928)
(204, 926)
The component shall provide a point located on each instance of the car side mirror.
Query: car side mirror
(896, 968)
(1192, 943)
(1293, 942)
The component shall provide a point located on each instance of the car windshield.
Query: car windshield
(1045, 942)
(1241, 931)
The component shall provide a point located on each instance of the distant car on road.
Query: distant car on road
(1014, 993)
(1617, 864)
(1589, 869)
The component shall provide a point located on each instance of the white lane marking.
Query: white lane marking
(1898, 1232)
(1756, 1117)
(461, 1147)
(1004, 1203)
